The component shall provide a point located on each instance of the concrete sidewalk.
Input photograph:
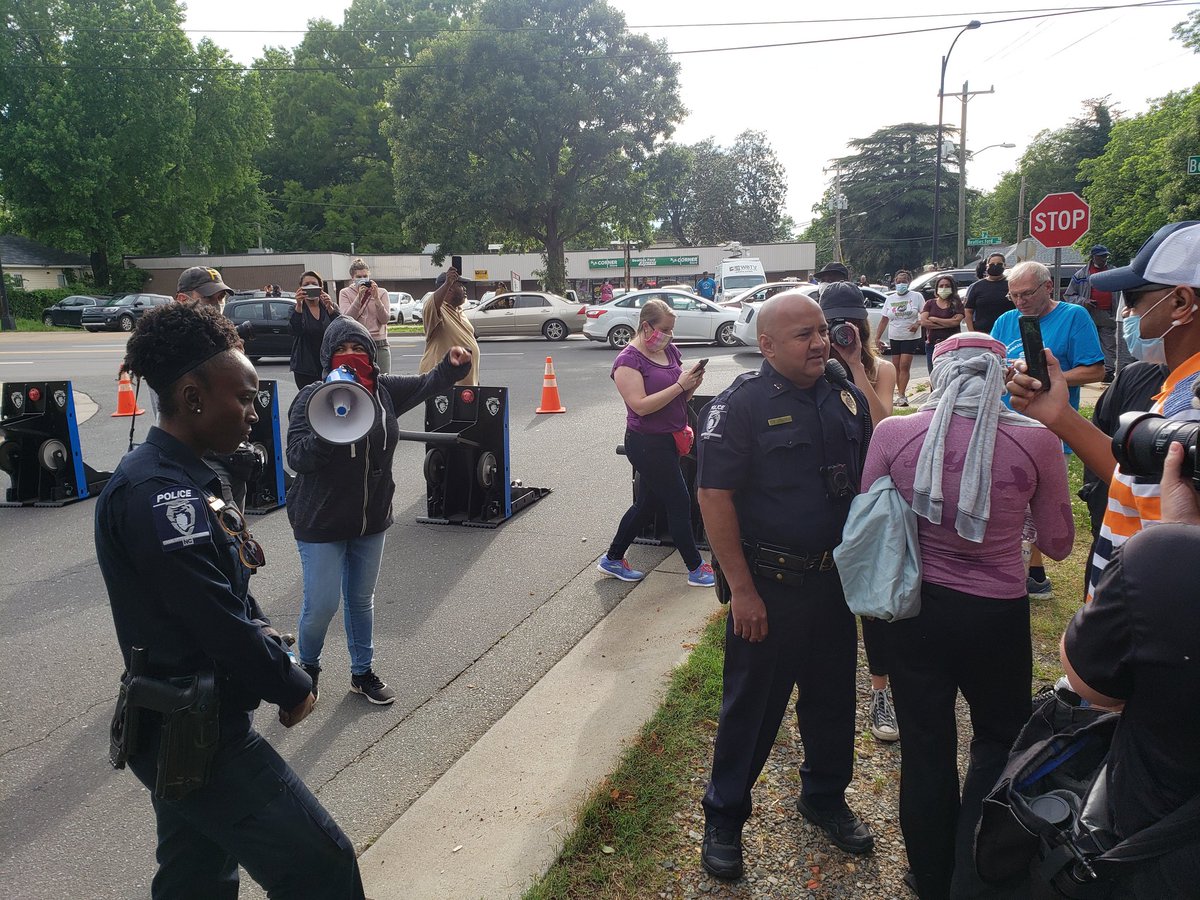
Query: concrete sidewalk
(496, 820)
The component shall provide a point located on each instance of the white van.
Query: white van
(735, 275)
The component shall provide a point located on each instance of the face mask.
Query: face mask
(945, 292)
(902, 287)
(1151, 350)
(656, 341)
(359, 364)
(995, 269)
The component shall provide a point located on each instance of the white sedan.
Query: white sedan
(526, 313)
(696, 319)
(745, 329)
(403, 309)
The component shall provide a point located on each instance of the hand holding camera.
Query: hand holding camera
(1180, 502)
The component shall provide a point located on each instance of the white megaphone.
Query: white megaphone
(341, 411)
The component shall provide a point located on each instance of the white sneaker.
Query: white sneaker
(883, 716)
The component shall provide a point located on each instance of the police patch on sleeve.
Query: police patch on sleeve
(179, 518)
(714, 424)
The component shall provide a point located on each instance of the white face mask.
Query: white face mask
(944, 292)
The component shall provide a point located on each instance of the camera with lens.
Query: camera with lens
(842, 332)
(245, 331)
(837, 481)
(1141, 441)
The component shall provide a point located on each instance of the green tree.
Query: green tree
(1188, 31)
(535, 119)
(1140, 182)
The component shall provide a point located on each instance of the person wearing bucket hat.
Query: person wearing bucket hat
(1101, 306)
(850, 341)
(973, 630)
(1159, 312)
(832, 272)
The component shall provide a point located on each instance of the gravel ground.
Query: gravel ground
(787, 858)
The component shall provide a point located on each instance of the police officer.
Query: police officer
(781, 451)
(177, 559)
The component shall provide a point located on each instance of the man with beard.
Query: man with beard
(446, 326)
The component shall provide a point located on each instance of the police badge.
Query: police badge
(441, 403)
(493, 405)
(849, 402)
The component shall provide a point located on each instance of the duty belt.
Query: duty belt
(782, 565)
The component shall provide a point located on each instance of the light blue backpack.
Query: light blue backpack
(879, 559)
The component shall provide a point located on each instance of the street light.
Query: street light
(962, 195)
(937, 183)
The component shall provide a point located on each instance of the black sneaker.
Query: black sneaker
(721, 852)
(842, 826)
(314, 672)
(372, 687)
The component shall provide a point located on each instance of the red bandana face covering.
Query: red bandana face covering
(359, 364)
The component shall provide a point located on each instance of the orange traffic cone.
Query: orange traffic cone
(126, 402)
(550, 401)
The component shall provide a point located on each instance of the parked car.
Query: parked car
(68, 312)
(121, 313)
(403, 309)
(745, 329)
(761, 292)
(526, 313)
(926, 281)
(271, 335)
(696, 319)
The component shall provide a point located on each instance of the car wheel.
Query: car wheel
(725, 336)
(89, 329)
(620, 337)
(48, 321)
(125, 323)
(554, 330)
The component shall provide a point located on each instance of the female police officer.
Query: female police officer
(177, 562)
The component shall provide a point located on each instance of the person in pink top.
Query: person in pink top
(971, 468)
(367, 303)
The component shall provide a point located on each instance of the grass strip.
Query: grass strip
(625, 822)
(406, 329)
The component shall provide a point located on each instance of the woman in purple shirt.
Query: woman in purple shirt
(650, 377)
(970, 467)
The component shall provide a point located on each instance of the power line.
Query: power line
(602, 57)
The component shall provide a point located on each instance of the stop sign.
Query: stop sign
(1059, 220)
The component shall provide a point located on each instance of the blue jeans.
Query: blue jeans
(331, 570)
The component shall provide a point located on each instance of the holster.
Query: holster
(724, 594)
(188, 739)
(123, 730)
(783, 565)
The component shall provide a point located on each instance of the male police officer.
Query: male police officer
(781, 451)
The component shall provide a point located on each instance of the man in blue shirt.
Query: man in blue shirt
(706, 287)
(1069, 333)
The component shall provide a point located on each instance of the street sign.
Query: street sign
(1059, 220)
(983, 240)
(1194, 165)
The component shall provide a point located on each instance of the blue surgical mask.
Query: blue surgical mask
(1151, 350)
(902, 287)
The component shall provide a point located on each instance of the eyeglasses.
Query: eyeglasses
(233, 523)
(1133, 298)
(1018, 296)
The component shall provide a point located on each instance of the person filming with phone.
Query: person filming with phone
(367, 303)
(1067, 332)
(312, 315)
(650, 376)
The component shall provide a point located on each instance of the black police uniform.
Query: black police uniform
(178, 588)
(792, 457)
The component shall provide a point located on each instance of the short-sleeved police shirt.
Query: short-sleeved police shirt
(176, 584)
(1138, 640)
(774, 445)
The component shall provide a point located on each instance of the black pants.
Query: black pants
(876, 642)
(304, 379)
(811, 643)
(981, 646)
(657, 462)
(256, 812)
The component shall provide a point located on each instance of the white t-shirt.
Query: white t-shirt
(903, 312)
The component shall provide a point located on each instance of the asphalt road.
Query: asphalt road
(466, 619)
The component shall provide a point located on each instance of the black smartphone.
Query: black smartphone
(456, 261)
(313, 290)
(702, 363)
(1035, 357)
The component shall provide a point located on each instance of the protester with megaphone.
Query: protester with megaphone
(342, 434)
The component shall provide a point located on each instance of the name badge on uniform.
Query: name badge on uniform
(779, 420)
(849, 402)
(179, 517)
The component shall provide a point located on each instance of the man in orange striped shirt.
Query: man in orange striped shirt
(1160, 318)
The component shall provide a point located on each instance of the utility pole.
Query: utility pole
(7, 321)
(966, 95)
(837, 203)
(1021, 208)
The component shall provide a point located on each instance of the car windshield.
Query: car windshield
(741, 282)
(127, 300)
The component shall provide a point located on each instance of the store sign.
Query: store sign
(481, 274)
(642, 262)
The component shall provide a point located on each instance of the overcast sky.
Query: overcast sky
(812, 99)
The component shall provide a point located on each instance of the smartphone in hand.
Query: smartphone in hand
(700, 365)
(1035, 357)
(312, 290)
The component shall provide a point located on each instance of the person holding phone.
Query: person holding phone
(650, 377)
(1067, 332)
(367, 303)
(313, 312)
(446, 326)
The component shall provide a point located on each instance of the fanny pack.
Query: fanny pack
(684, 440)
